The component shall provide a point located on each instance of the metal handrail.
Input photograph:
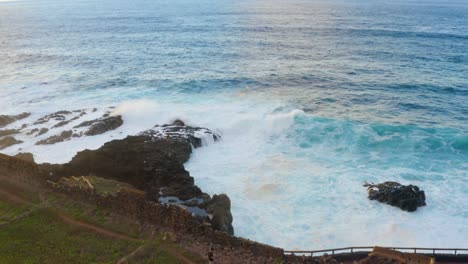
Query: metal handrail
(352, 250)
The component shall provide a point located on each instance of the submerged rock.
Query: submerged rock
(57, 116)
(43, 131)
(8, 132)
(406, 197)
(56, 139)
(8, 119)
(8, 141)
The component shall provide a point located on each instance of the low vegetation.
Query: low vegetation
(46, 232)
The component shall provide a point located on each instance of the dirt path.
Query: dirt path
(96, 229)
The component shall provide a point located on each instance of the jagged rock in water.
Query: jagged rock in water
(8, 141)
(104, 125)
(406, 197)
(65, 122)
(43, 131)
(8, 119)
(101, 125)
(8, 132)
(25, 156)
(220, 209)
(179, 131)
(56, 139)
(32, 131)
(57, 116)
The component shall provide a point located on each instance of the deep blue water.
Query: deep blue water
(312, 98)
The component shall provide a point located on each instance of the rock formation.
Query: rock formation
(8, 119)
(8, 141)
(152, 161)
(102, 125)
(26, 156)
(220, 209)
(406, 197)
(56, 139)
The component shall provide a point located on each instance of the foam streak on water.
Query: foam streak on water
(311, 98)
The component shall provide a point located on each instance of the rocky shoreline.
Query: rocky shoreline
(150, 163)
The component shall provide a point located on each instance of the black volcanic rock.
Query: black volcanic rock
(151, 161)
(8, 119)
(181, 132)
(406, 197)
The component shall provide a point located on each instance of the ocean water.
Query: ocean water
(312, 98)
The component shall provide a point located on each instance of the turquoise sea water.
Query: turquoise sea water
(313, 98)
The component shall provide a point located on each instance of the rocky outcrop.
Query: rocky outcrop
(8, 132)
(8, 119)
(406, 197)
(56, 139)
(181, 132)
(26, 156)
(153, 162)
(8, 141)
(103, 125)
(220, 210)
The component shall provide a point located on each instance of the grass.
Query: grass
(8, 212)
(43, 237)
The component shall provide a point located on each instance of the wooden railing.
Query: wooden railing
(351, 250)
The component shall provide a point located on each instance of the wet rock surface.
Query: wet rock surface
(8, 132)
(219, 207)
(8, 141)
(406, 197)
(181, 132)
(56, 139)
(8, 119)
(104, 124)
(59, 124)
